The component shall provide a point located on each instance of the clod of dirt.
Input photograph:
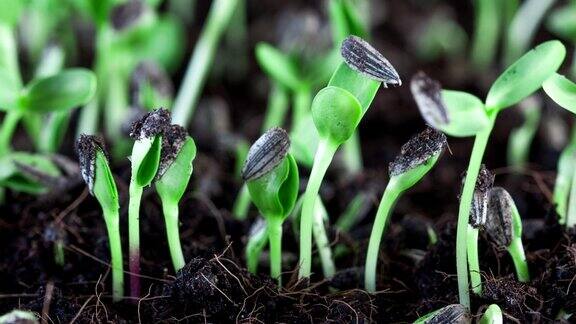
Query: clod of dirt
(519, 300)
(418, 150)
(365, 59)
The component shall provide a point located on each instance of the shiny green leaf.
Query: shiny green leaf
(562, 91)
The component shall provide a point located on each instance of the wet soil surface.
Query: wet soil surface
(414, 276)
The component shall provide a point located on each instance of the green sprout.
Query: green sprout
(562, 22)
(150, 86)
(336, 112)
(174, 172)
(145, 160)
(30, 173)
(416, 159)
(521, 138)
(563, 92)
(478, 215)
(455, 313)
(504, 227)
(517, 82)
(257, 238)
(492, 315)
(218, 18)
(272, 177)
(60, 92)
(98, 176)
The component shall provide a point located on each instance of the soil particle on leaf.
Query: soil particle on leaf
(418, 150)
(151, 124)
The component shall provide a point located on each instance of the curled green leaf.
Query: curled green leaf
(562, 91)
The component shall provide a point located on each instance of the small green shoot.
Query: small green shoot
(257, 239)
(96, 173)
(145, 160)
(520, 139)
(174, 172)
(416, 159)
(492, 315)
(272, 177)
(336, 112)
(504, 227)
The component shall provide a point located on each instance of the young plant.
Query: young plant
(145, 160)
(96, 173)
(30, 173)
(517, 82)
(174, 172)
(455, 313)
(272, 177)
(257, 238)
(150, 86)
(492, 315)
(520, 139)
(504, 227)
(216, 23)
(336, 112)
(478, 215)
(563, 92)
(416, 158)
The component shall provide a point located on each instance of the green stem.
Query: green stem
(7, 129)
(242, 204)
(54, 131)
(516, 251)
(218, 18)
(59, 257)
(278, 103)
(473, 262)
(134, 238)
(563, 181)
(571, 210)
(116, 107)
(350, 216)
(387, 202)
(275, 236)
(112, 219)
(302, 103)
(254, 247)
(353, 154)
(480, 143)
(321, 240)
(322, 160)
(170, 209)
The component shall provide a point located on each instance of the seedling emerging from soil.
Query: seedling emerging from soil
(97, 175)
(416, 158)
(337, 111)
(492, 315)
(256, 242)
(478, 214)
(517, 82)
(145, 159)
(150, 86)
(174, 172)
(272, 177)
(563, 92)
(504, 227)
(454, 313)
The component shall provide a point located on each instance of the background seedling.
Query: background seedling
(416, 158)
(97, 175)
(521, 138)
(504, 226)
(19, 316)
(145, 160)
(174, 172)
(257, 238)
(336, 111)
(478, 215)
(455, 313)
(272, 177)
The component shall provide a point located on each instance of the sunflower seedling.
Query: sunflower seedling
(145, 160)
(257, 238)
(150, 86)
(455, 313)
(272, 177)
(504, 227)
(416, 158)
(520, 139)
(96, 173)
(492, 315)
(336, 111)
(478, 215)
(174, 172)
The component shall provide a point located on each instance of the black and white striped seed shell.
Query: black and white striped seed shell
(479, 208)
(126, 14)
(266, 153)
(86, 148)
(172, 141)
(428, 96)
(418, 150)
(452, 314)
(499, 220)
(151, 124)
(363, 58)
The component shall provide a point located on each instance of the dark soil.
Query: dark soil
(414, 277)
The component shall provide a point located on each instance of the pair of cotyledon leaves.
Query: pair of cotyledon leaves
(461, 114)
(65, 90)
